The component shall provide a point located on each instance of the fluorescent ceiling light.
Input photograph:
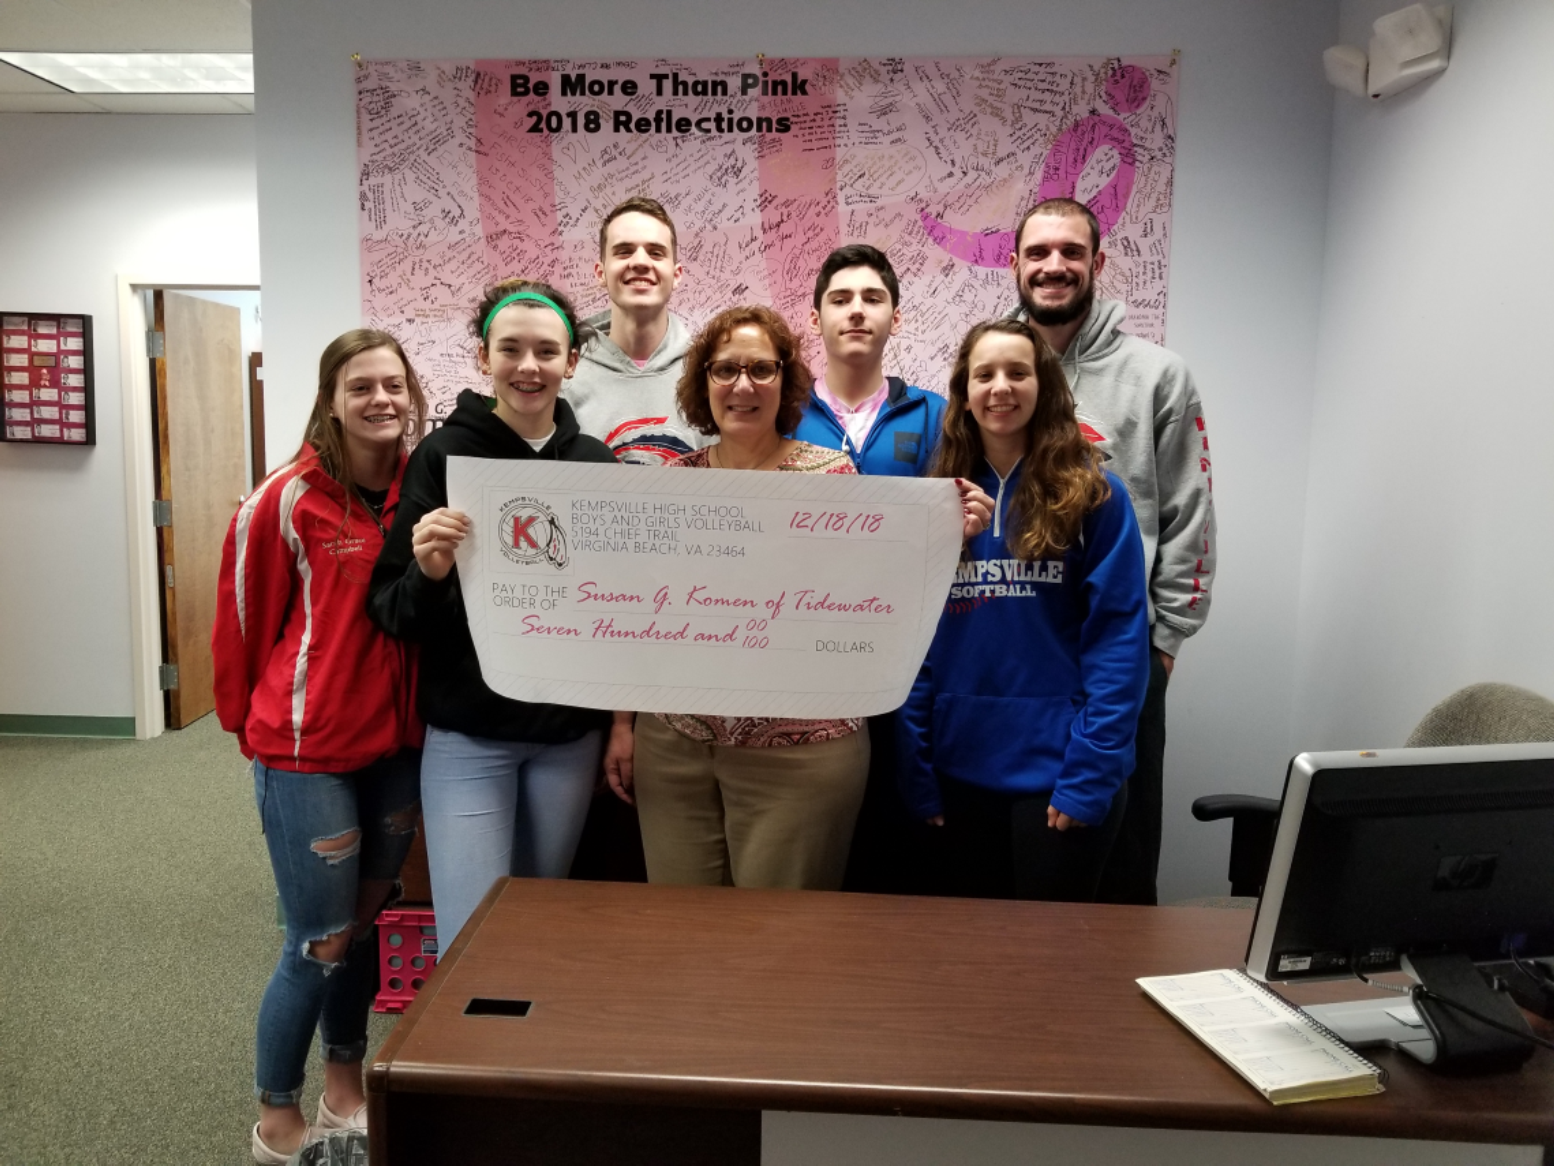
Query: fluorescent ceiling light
(140, 72)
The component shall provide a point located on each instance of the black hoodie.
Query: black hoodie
(405, 603)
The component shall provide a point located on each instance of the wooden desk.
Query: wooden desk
(665, 1020)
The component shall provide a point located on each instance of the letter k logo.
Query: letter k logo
(521, 533)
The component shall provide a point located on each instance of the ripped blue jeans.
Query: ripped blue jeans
(304, 817)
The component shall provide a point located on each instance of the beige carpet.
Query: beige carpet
(137, 932)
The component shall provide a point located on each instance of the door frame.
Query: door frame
(140, 483)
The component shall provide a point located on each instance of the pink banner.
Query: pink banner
(473, 171)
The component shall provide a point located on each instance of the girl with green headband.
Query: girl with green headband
(505, 784)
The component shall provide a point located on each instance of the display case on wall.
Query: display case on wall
(47, 375)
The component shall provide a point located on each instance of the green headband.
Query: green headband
(527, 295)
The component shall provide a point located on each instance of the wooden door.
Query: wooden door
(200, 472)
(256, 417)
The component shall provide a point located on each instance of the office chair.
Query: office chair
(1480, 714)
(1486, 714)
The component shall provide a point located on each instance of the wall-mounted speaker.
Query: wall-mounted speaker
(1407, 46)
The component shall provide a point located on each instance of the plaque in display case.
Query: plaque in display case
(46, 369)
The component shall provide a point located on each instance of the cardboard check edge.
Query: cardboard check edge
(714, 592)
(1277, 1047)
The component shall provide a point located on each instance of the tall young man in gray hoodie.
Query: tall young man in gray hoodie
(1136, 401)
(623, 389)
(623, 393)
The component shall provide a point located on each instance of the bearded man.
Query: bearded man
(1137, 403)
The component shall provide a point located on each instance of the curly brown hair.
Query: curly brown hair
(497, 292)
(692, 391)
(1060, 477)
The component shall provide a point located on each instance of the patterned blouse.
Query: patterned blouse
(764, 732)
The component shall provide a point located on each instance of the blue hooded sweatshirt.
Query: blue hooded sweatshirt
(901, 441)
(1036, 676)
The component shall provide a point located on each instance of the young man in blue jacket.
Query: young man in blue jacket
(885, 425)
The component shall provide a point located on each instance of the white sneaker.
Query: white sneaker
(328, 1119)
(264, 1156)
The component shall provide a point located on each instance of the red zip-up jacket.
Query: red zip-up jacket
(303, 677)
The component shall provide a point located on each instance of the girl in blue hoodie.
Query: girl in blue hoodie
(1018, 735)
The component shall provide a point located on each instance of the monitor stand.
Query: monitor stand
(1389, 1022)
(1436, 1034)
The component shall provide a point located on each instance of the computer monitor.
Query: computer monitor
(1426, 860)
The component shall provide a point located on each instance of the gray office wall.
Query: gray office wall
(85, 198)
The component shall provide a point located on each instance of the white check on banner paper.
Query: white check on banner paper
(716, 592)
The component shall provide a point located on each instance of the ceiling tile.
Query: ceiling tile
(139, 72)
(107, 26)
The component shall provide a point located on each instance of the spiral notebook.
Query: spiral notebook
(1277, 1046)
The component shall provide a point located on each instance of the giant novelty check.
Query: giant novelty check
(717, 592)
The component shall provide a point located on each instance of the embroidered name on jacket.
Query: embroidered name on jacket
(345, 545)
(981, 578)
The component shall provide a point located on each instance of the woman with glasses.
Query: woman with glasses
(747, 801)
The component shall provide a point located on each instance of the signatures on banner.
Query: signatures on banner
(470, 171)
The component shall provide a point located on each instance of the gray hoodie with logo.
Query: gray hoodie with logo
(632, 410)
(1136, 401)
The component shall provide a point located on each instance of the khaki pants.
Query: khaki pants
(748, 817)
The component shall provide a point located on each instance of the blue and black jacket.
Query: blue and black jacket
(902, 440)
(1036, 676)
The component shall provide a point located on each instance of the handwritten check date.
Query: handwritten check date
(717, 592)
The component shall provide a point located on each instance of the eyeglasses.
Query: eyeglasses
(761, 372)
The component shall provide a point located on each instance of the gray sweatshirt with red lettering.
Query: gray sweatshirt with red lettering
(632, 410)
(1136, 401)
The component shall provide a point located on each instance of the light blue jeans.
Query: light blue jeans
(318, 887)
(494, 808)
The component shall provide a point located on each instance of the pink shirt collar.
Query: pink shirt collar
(859, 419)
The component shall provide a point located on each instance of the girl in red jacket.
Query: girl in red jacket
(323, 701)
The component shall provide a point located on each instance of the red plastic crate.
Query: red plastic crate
(407, 953)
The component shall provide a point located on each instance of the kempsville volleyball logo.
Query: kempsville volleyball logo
(529, 533)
